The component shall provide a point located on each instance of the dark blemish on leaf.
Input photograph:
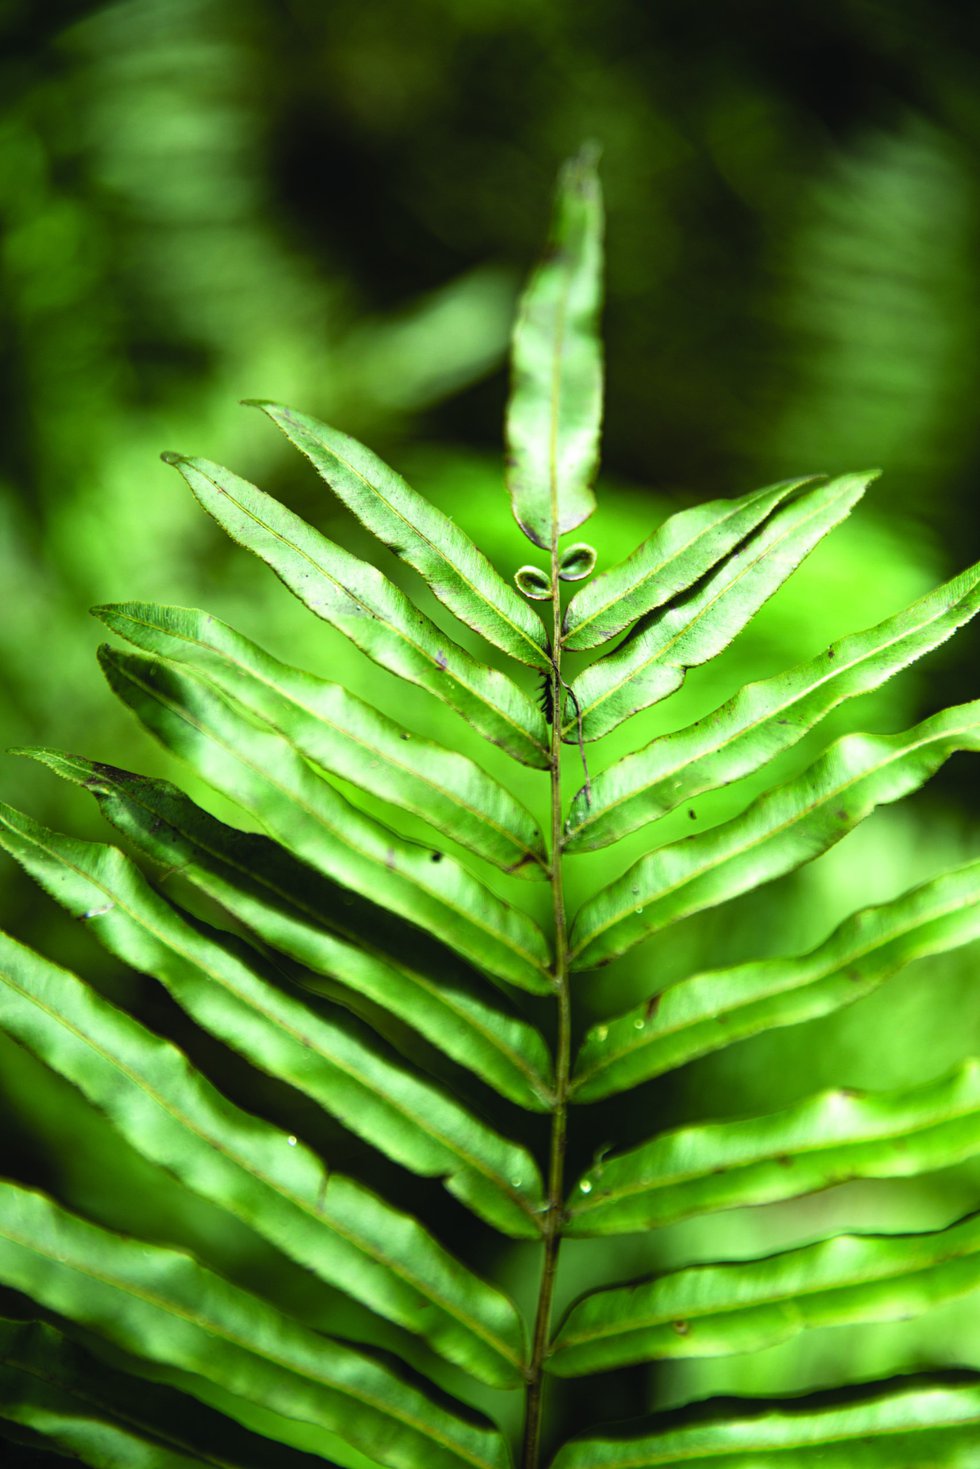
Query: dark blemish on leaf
(390, 858)
(405, 735)
(850, 1093)
(681, 1327)
(782, 721)
(441, 660)
(436, 857)
(855, 975)
(841, 814)
(831, 653)
(651, 1007)
(693, 814)
(784, 1160)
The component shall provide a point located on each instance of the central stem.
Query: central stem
(559, 1123)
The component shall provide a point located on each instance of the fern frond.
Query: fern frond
(902, 1429)
(363, 604)
(455, 569)
(162, 1305)
(261, 771)
(709, 1011)
(653, 661)
(821, 1141)
(763, 719)
(344, 736)
(294, 911)
(404, 1117)
(778, 833)
(170, 1113)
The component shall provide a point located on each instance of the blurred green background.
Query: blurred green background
(333, 204)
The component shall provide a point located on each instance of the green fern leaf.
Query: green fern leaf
(456, 570)
(408, 1119)
(263, 773)
(763, 719)
(62, 1398)
(555, 408)
(404, 990)
(779, 832)
(715, 1310)
(681, 552)
(287, 906)
(821, 1141)
(708, 1011)
(908, 1429)
(162, 1305)
(342, 735)
(168, 1111)
(654, 659)
(369, 609)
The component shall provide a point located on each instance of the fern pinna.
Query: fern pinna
(410, 994)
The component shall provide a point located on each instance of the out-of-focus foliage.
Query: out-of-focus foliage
(202, 200)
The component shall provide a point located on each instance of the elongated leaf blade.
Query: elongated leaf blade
(907, 1428)
(456, 570)
(295, 911)
(406, 1118)
(824, 1140)
(653, 661)
(709, 1011)
(683, 550)
(163, 1306)
(763, 719)
(260, 770)
(748, 1305)
(80, 1407)
(555, 408)
(342, 735)
(776, 834)
(171, 1114)
(360, 602)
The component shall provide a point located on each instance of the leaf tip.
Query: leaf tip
(170, 457)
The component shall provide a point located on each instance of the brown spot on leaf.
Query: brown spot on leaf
(784, 1160)
(693, 814)
(841, 814)
(681, 1327)
(651, 1007)
(436, 857)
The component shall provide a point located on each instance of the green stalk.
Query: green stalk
(559, 1123)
